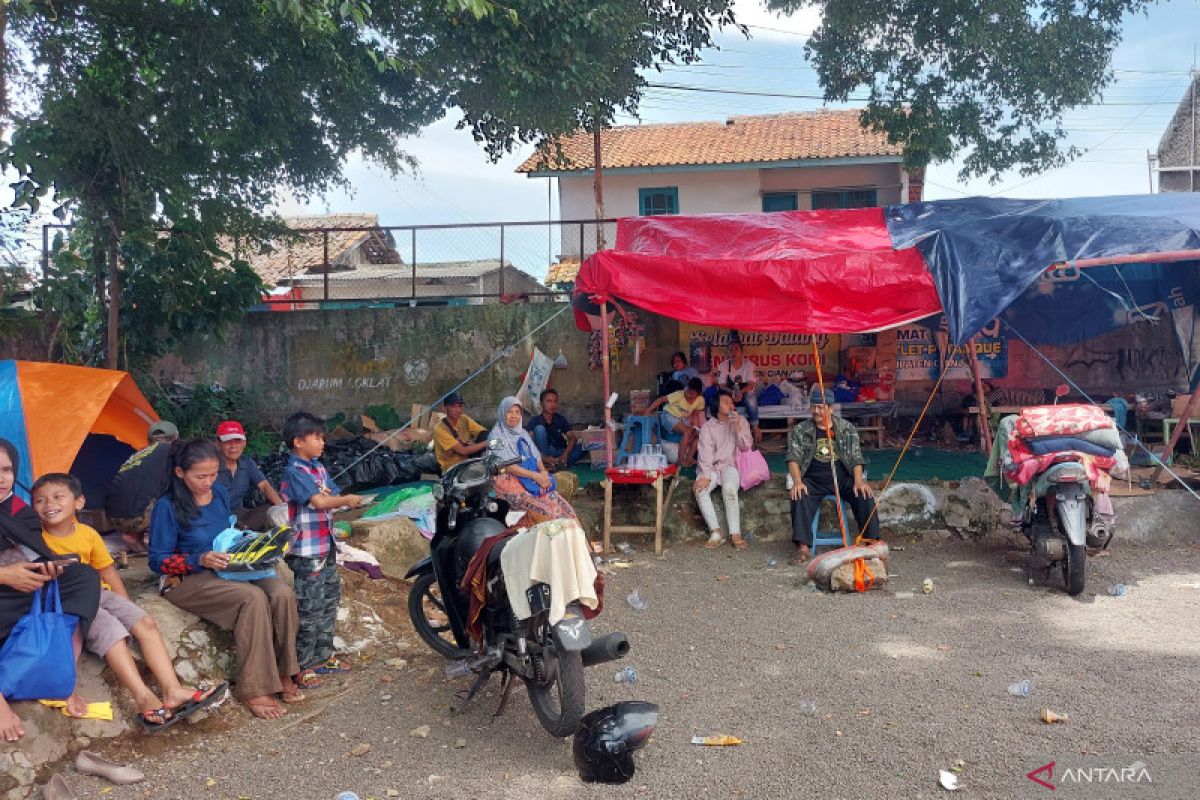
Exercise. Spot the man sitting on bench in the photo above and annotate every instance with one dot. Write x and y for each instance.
(812, 460)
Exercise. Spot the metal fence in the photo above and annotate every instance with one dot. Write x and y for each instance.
(344, 265)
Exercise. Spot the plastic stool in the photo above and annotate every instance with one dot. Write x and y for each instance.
(641, 431)
(831, 538)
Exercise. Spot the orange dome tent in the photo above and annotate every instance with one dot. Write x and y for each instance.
(63, 418)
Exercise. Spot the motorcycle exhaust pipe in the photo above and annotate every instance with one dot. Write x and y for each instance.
(607, 648)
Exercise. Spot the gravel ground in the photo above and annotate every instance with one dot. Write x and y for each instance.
(903, 687)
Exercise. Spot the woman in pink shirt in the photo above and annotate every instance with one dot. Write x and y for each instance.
(721, 438)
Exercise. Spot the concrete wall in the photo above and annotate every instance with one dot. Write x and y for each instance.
(330, 361)
(803, 181)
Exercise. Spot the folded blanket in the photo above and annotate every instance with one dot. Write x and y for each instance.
(1066, 420)
(1109, 438)
(1057, 444)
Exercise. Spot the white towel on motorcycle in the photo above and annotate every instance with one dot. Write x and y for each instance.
(555, 553)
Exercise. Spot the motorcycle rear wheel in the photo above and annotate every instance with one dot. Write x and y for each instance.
(558, 700)
(424, 600)
(1072, 568)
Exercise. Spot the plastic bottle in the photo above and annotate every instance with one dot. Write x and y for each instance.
(627, 675)
(1021, 689)
(1117, 590)
(636, 602)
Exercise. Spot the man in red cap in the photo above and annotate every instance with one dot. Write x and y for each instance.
(240, 474)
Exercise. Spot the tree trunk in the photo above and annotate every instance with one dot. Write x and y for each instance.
(3, 65)
(597, 186)
(112, 348)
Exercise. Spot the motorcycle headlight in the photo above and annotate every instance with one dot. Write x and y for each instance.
(439, 492)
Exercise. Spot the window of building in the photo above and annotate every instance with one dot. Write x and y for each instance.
(779, 201)
(844, 198)
(663, 200)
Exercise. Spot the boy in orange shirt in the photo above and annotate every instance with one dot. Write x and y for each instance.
(57, 498)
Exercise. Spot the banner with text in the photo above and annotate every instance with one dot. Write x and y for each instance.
(921, 349)
(775, 355)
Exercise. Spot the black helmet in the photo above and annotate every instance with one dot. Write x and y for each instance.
(607, 738)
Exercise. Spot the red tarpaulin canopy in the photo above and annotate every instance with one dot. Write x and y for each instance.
(796, 272)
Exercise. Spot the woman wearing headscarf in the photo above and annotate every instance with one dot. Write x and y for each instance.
(526, 485)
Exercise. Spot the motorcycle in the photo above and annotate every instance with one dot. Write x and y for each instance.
(1063, 523)
(549, 659)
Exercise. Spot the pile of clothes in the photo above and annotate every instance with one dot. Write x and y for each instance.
(1027, 444)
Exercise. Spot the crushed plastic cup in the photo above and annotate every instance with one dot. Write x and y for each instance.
(627, 675)
(636, 601)
(1020, 689)
(1117, 590)
(808, 708)
(347, 796)
(771, 561)
(927, 586)
(948, 780)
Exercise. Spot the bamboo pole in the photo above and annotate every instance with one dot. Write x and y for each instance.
(608, 423)
(985, 428)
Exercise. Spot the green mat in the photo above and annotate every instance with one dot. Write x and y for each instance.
(920, 464)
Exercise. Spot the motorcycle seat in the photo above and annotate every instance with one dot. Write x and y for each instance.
(493, 557)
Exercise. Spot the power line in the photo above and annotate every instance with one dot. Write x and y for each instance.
(681, 87)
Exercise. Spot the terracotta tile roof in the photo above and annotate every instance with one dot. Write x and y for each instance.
(563, 271)
(304, 254)
(738, 140)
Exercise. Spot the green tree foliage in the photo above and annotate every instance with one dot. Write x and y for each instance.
(149, 121)
(987, 79)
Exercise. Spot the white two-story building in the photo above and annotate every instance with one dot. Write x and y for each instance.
(779, 162)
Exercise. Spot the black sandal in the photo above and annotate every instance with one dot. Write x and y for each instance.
(168, 720)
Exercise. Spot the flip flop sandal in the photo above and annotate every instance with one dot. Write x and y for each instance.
(205, 696)
(738, 542)
(798, 558)
(332, 666)
(712, 543)
(308, 679)
(169, 719)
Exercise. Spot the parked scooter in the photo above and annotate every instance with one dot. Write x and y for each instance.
(550, 659)
(1064, 523)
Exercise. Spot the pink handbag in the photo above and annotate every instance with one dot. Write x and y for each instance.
(752, 468)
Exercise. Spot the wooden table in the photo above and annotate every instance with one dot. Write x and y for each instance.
(638, 477)
(872, 414)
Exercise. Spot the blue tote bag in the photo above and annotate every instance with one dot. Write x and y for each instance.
(530, 462)
(37, 661)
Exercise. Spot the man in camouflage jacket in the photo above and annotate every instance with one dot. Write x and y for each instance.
(812, 459)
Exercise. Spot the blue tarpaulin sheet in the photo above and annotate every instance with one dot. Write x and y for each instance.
(984, 253)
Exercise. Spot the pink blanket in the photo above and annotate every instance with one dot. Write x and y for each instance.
(1066, 420)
